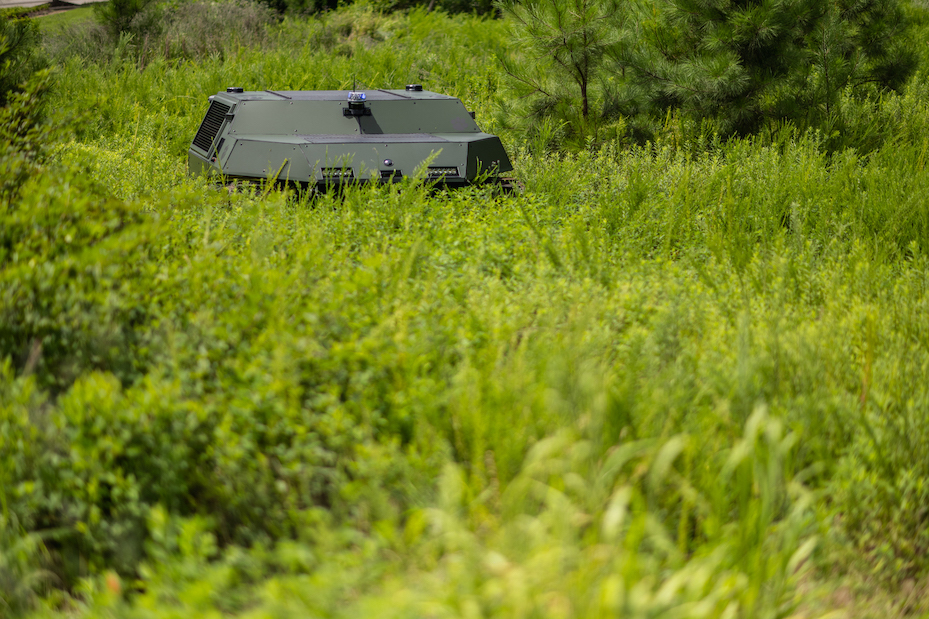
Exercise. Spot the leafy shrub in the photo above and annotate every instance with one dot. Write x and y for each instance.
(137, 18)
(22, 577)
(85, 40)
(208, 27)
(64, 298)
(55, 280)
(19, 58)
(180, 30)
(25, 137)
(253, 461)
(22, 554)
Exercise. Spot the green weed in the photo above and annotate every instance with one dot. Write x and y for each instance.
(662, 380)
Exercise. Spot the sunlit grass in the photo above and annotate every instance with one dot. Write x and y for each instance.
(52, 22)
(659, 381)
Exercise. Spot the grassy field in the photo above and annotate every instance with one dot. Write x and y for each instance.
(670, 380)
(60, 19)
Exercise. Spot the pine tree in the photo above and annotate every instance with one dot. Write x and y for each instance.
(563, 60)
(134, 17)
(742, 62)
(20, 42)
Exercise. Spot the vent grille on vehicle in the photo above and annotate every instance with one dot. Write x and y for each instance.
(441, 171)
(337, 173)
(210, 125)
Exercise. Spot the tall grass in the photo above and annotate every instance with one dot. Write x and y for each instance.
(660, 380)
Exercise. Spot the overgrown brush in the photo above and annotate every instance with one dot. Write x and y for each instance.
(186, 30)
(20, 55)
(673, 379)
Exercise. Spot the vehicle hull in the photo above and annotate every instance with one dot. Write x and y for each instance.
(317, 138)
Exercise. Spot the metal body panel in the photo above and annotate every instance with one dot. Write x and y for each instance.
(317, 136)
(279, 160)
(283, 117)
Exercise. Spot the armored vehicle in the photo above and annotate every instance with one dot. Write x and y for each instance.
(327, 138)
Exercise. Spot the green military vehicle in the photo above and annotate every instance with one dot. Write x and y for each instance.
(326, 138)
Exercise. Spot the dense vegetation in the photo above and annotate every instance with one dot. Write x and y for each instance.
(728, 68)
(685, 378)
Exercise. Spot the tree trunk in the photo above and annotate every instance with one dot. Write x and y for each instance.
(585, 108)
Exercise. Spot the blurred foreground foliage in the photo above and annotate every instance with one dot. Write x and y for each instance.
(683, 379)
(19, 57)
